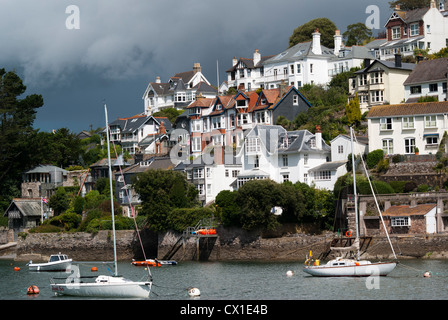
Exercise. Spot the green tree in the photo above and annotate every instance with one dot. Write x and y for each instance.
(170, 113)
(227, 208)
(161, 191)
(59, 202)
(406, 5)
(357, 34)
(353, 111)
(17, 115)
(305, 32)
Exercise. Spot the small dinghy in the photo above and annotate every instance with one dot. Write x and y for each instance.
(57, 262)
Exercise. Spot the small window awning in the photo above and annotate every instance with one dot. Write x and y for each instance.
(431, 135)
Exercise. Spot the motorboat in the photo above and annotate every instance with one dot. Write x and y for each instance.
(57, 262)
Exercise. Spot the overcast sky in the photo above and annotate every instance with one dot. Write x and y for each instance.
(119, 46)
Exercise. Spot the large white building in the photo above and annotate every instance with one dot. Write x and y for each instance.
(305, 63)
(271, 152)
(400, 129)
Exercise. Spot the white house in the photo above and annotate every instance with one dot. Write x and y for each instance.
(428, 79)
(423, 28)
(401, 128)
(130, 132)
(178, 92)
(380, 82)
(270, 151)
(305, 63)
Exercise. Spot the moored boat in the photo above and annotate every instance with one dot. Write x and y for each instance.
(57, 262)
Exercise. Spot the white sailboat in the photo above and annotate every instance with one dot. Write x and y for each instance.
(342, 267)
(114, 286)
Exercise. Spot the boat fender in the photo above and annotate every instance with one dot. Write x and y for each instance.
(348, 234)
(194, 292)
(289, 273)
(32, 290)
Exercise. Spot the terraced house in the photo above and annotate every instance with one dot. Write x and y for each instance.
(406, 128)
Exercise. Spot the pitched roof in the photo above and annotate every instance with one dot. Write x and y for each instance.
(414, 109)
(428, 70)
(402, 211)
(26, 207)
(249, 63)
(387, 64)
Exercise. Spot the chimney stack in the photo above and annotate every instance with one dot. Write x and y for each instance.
(337, 42)
(257, 57)
(316, 49)
(157, 79)
(281, 89)
(318, 137)
(197, 68)
(234, 61)
(398, 60)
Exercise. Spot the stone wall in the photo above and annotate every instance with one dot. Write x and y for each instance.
(231, 244)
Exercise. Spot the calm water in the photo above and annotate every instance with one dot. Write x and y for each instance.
(248, 281)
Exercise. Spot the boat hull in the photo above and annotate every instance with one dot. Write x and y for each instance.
(51, 266)
(363, 270)
(118, 288)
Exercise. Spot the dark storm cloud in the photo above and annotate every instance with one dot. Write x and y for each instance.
(121, 45)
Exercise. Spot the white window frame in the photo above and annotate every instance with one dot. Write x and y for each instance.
(409, 145)
(196, 144)
(388, 146)
(396, 33)
(253, 145)
(413, 30)
(386, 124)
(400, 221)
(431, 121)
(408, 123)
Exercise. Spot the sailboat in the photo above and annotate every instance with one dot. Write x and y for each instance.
(113, 286)
(352, 267)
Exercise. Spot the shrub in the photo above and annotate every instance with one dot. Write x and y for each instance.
(374, 157)
(45, 228)
(410, 186)
(66, 221)
(423, 188)
(380, 187)
(181, 218)
(398, 186)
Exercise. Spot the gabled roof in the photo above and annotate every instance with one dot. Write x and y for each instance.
(428, 71)
(388, 64)
(408, 109)
(25, 207)
(408, 16)
(46, 168)
(249, 63)
(403, 211)
(184, 76)
(203, 87)
(298, 52)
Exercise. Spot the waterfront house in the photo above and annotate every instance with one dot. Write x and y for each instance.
(405, 219)
(422, 28)
(380, 82)
(428, 79)
(401, 128)
(271, 152)
(178, 92)
(25, 214)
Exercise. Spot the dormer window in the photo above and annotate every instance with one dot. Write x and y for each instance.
(241, 103)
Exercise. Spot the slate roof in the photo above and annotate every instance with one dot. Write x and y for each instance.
(249, 63)
(414, 109)
(402, 211)
(26, 207)
(42, 168)
(388, 64)
(428, 71)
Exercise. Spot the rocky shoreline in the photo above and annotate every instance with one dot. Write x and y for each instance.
(231, 244)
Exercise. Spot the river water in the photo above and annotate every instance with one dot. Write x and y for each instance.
(255, 281)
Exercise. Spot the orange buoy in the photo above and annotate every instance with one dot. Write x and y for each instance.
(32, 290)
(348, 234)
(16, 269)
(93, 269)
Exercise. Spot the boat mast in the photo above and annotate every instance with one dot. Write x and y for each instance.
(111, 192)
(354, 192)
